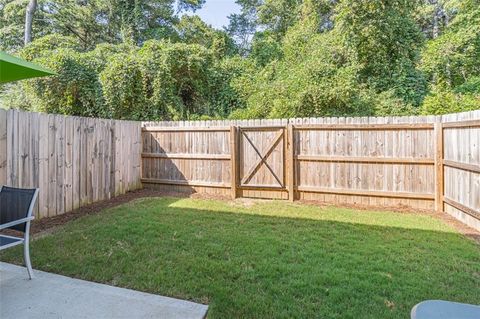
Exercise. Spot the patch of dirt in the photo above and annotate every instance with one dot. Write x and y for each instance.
(360, 207)
(459, 226)
(47, 223)
(44, 225)
(456, 224)
(244, 202)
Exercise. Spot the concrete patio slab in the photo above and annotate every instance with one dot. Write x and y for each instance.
(54, 296)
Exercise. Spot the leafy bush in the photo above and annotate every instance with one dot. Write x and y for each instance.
(223, 98)
(453, 57)
(74, 90)
(175, 77)
(311, 80)
(160, 80)
(449, 102)
(265, 48)
(122, 87)
(49, 45)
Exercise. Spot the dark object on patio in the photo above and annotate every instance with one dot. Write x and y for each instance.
(16, 213)
(439, 309)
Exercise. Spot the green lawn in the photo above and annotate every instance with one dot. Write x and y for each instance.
(267, 259)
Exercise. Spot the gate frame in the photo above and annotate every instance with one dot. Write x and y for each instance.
(285, 133)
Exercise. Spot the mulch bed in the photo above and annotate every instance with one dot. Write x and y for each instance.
(45, 224)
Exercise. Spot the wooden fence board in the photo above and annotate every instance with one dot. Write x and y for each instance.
(462, 163)
(68, 158)
(3, 147)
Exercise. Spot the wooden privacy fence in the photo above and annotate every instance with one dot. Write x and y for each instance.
(74, 161)
(430, 162)
(460, 175)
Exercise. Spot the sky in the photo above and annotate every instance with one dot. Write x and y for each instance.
(216, 12)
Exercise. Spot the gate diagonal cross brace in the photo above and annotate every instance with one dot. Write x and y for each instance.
(263, 158)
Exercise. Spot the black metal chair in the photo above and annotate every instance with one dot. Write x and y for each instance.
(16, 213)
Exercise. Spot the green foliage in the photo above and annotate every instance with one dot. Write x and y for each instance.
(331, 73)
(140, 20)
(471, 86)
(192, 30)
(12, 14)
(278, 58)
(454, 56)
(176, 77)
(48, 45)
(373, 31)
(102, 54)
(278, 15)
(74, 91)
(317, 85)
(12, 22)
(122, 87)
(265, 49)
(444, 102)
(452, 63)
(94, 21)
(388, 103)
(160, 80)
(223, 97)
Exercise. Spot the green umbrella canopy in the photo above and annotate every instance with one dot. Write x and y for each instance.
(14, 69)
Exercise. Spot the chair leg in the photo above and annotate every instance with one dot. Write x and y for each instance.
(26, 256)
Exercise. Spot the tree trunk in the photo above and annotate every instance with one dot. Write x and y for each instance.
(31, 7)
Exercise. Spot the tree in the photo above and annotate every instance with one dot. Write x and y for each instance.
(452, 58)
(121, 82)
(192, 30)
(75, 90)
(82, 20)
(241, 28)
(12, 24)
(451, 63)
(265, 49)
(385, 41)
(92, 21)
(278, 58)
(140, 20)
(31, 7)
(433, 16)
(275, 17)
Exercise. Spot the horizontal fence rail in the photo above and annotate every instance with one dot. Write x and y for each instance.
(363, 127)
(392, 160)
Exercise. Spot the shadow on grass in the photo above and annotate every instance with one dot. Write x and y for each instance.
(247, 265)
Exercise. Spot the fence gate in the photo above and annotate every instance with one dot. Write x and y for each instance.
(262, 159)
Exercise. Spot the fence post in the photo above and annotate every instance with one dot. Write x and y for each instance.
(233, 160)
(439, 177)
(291, 163)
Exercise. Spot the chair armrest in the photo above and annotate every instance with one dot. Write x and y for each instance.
(16, 222)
